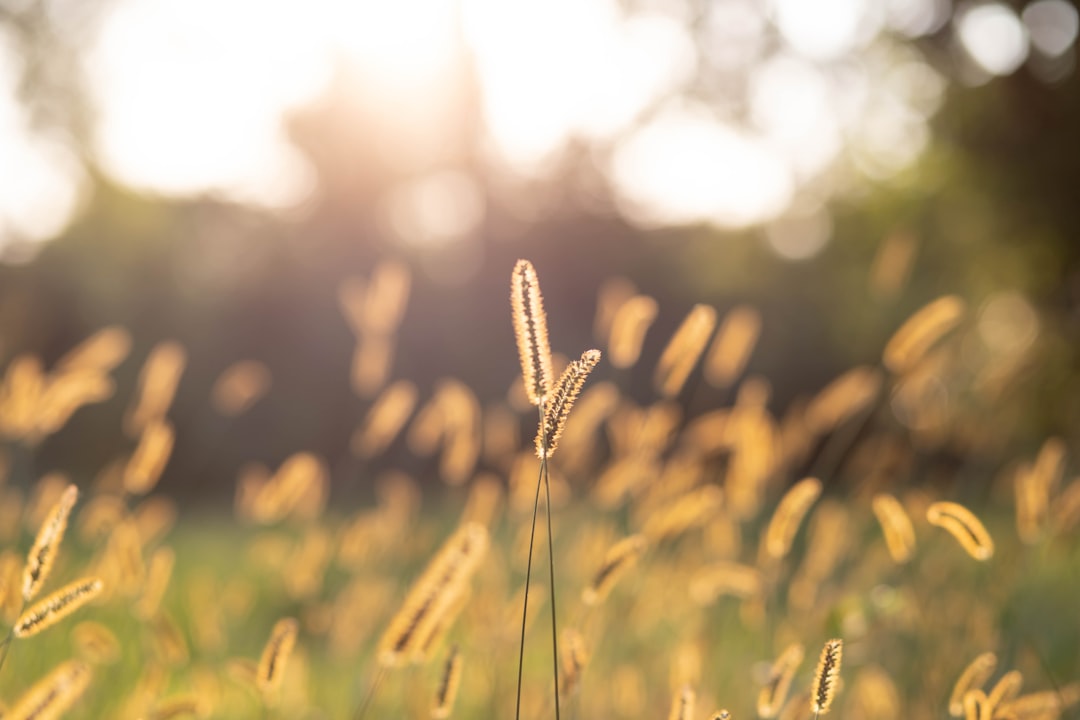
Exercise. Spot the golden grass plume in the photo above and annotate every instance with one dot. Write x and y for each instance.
(151, 455)
(973, 677)
(617, 560)
(910, 343)
(1005, 689)
(733, 345)
(157, 385)
(575, 656)
(725, 578)
(895, 526)
(20, 397)
(681, 354)
(826, 677)
(774, 693)
(557, 409)
(843, 398)
(628, 328)
(1045, 705)
(688, 511)
(384, 420)
(976, 705)
(55, 607)
(275, 656)
(682, 704)
(789, 514)
(53, 695)
(448, 686)
(43, 552)
(962, 524)
(239, 387)
(432, 594)
(101, 352)
(530, 330)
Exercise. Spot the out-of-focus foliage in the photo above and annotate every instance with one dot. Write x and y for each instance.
(876, 236)
(985, 210)
(697, 535)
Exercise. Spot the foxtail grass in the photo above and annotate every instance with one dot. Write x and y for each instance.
(553, 402)
(448, 686)
(895, 526)
(826, 677)
(772, 696)
(974, 676)
(962, 524)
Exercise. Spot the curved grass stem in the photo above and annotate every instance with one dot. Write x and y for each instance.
(542, 479)
(5, 646)
(362, 710)
(528, 579)
(551, 568)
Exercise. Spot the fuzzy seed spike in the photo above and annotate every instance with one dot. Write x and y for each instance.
(530, 329)
(40, 560)
(826, 677)
(275, 655)
(557, 409)
(54, 608)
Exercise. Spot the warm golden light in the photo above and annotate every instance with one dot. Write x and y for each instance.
(183, 106)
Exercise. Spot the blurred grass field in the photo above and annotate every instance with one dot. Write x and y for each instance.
(192, 592)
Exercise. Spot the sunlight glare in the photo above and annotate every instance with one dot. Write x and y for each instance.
(42, 181)
(435, 210)
(550, 71)
(405, 73)
(1052, 25)
(994, 37)
(889, 139)
(801, 233)
(1008, 324)
(686, 167)
(917, 18)
(734, 34)
(791, 103)
(827, 29)
(884, 111)
(187, 105)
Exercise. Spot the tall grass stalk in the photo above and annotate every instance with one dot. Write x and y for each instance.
(542, 479)
(5, 647)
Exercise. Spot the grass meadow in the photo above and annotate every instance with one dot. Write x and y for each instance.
(703, 555)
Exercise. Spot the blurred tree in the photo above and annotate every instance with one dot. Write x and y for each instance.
(989, 206)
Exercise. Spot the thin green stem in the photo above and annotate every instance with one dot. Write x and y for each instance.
(839, 444)
(528, 579)
(551, 568)
(6, 646)
(360, 711)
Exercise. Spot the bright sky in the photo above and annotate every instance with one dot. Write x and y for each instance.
(189, 96)
(40, 181)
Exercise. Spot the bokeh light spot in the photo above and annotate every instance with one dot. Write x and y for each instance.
(42, 181)
(1008, 324)
(828, 28)
(436, 210)
(686, 167)
(800, 234)
(1052, 26)
(994, 37)
(185, 108)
